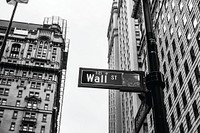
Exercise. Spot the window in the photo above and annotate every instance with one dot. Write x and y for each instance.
(49, 87)
(4, 91)
(190, 6)
(175, 91)
(47, 97)
(22, 83)
(171, 31)
(38, 85)
(184, 20)
(1, 113)
(186, 68)
(12, 126)
(198, 39)
(184, 99)
(17, 103)
(192, 55)
(37, 94)
(3, 101)
(162, 54)
(32, 105)
(197, 74)
(45, 106)
(174, 46)
(50, 77)
(15, 113)
(28, 55)
(176, 19)
(30, 47)
(176, 62)
(33, 85)
(181, 6)
(198, 129)
(3, 81)
(169, 57)
(15, 50)
(168, 17)
(190, 86)
(189, 125)
(180, 80)
(31, 115)
(164, 68)
(24, 74)
(54, 51)
(194, 22)
(31, 93)
(39, 76)
(170, 101)
(166, 43)
(181, 128)
(44, 118)
(179, 33)
(42, 129)
(173, 5)
(167, 84)
(172, 120)
(195, 110)
(9, 82)
(172, 73)
(27, 127)
(19, 93)
(9, 72)
(34, 75)
(189, 37)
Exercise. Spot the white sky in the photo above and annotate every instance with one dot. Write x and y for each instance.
(85, 110)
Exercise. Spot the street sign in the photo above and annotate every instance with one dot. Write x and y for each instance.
(142, 112)
(132, 81)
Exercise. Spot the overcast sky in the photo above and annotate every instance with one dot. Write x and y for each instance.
(85, 110)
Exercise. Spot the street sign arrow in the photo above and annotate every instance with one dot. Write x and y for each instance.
(132, 81)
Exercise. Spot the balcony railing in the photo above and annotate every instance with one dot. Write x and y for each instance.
(29, 120)
(22, 131)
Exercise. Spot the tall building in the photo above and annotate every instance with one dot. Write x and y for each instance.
(32, 74)
(177, 31)
(124, 43)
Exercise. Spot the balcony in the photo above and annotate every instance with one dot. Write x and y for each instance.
(22, 131)
(29, 120)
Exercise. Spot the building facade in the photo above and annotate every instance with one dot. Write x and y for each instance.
(176, 27)
(124, 43)
(32, 74)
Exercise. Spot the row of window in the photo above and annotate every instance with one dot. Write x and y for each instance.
(25, 74)
(30, 104)
(36, 85)
(26, 127)
(187, 117)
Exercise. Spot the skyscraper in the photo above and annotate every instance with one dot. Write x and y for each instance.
(32, 70)
(123, 41)
(176, 27)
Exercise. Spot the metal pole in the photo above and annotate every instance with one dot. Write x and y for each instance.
(155, 79)
(7, 32)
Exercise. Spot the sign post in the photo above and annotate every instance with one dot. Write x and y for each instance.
(132, 81)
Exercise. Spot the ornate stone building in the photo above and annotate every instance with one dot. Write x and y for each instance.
(32, 74)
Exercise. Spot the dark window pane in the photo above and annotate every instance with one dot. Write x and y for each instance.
(188, 121)
(184, 99)
(197, 74)
(195, 110)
